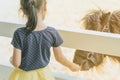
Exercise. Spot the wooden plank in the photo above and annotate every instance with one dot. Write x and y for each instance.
(78, 39)
(7, 29)
(106, 43)
(5, 72)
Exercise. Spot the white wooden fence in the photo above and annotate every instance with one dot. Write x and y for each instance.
(78, 39)
(100, 42)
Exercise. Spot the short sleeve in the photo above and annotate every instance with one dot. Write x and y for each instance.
(16, 40)
(57, 39)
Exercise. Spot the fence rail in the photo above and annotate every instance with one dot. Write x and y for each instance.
(94, 41)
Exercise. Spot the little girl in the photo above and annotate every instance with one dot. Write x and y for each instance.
(32, 45)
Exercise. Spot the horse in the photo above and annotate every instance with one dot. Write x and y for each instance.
(103, 21)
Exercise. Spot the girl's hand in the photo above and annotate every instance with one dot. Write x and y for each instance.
(74, 67)
(11, 59)
(63, 60)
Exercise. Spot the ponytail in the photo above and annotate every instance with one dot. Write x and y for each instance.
(30, 9)
(32, 19)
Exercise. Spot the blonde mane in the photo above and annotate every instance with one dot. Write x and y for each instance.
(99, 19)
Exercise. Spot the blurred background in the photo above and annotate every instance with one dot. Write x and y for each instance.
(67, 13)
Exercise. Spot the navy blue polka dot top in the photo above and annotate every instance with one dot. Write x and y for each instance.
(35, 46)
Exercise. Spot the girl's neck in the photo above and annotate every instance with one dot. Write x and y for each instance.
(40, 25)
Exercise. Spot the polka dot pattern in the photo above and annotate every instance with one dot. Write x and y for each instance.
(35, 46)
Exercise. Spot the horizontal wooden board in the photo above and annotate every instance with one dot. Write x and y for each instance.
(106, 43)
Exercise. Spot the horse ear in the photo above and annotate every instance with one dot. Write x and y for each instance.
(105, 18)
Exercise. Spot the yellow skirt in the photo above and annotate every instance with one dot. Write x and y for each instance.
(39, 74)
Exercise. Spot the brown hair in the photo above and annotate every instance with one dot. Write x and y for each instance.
(100, 20)
(30, 9)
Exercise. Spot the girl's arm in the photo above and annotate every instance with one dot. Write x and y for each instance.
(16, 58)
(61, 59)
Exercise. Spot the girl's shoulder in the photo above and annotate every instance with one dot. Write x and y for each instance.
(49, 29)
(20, 29)
(52, 29)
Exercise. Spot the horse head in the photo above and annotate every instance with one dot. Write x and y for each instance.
(97, 20)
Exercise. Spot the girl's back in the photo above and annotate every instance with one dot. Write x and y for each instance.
(35, 46)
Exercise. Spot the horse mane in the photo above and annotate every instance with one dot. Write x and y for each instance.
(98, 19)
(115, 22)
